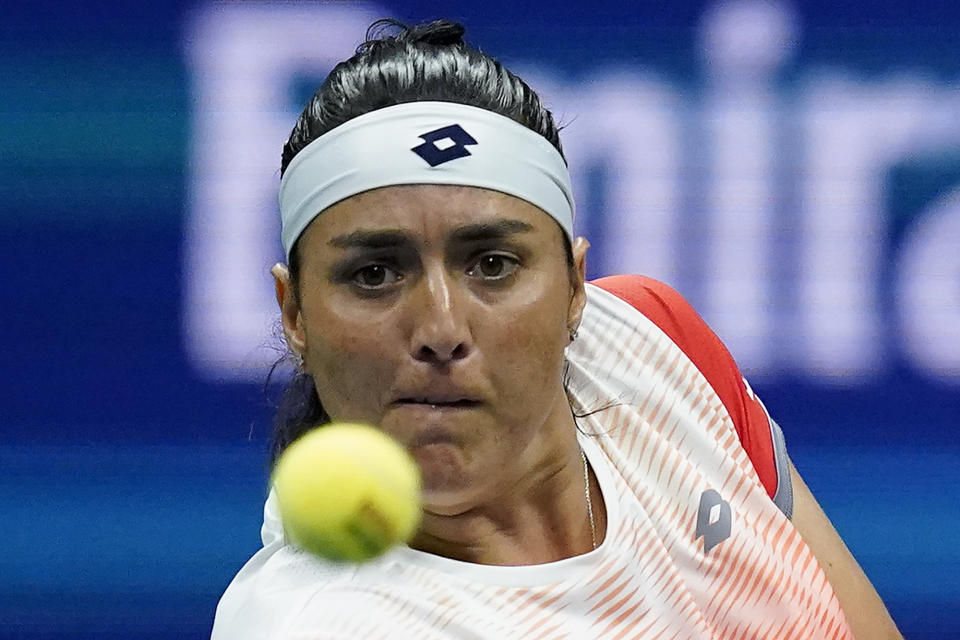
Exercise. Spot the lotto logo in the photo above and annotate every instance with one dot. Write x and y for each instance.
(444, 144)
(713, 519)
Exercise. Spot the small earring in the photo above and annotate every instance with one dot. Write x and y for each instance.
(573, 335)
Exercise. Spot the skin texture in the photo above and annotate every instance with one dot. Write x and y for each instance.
(862, 606)
(415, 298)
(412, 297)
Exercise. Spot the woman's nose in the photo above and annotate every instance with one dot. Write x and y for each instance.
(441, 332)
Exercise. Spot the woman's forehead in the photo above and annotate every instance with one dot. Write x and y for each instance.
(428, 210)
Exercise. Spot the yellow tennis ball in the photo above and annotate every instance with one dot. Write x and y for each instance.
(347, 492)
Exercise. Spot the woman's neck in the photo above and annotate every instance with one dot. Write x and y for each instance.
(540, 515)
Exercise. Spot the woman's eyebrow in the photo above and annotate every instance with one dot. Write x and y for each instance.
(386, 238)
(374, 239)
(490, 230)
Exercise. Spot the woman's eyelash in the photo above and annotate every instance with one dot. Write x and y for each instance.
(494, 265)
(374, 276)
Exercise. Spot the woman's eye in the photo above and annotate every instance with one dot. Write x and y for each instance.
(375, 276)
(494, 266)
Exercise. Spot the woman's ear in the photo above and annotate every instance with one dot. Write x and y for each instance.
(579, 298)
(289, 310)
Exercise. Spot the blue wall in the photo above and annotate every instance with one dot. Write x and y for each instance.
(133, 466)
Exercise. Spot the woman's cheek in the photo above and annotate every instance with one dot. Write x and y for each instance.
(349, 380)
(530, 360)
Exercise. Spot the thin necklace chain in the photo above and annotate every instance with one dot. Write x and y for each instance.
(586, 492)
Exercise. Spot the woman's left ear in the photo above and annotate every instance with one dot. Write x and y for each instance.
(579, 298)
(289, 310)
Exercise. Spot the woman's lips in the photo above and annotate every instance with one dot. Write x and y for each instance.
(439, 403)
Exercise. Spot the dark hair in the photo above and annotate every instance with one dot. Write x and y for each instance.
(429, 61)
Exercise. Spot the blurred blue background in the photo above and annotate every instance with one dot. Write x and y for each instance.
(793, 168)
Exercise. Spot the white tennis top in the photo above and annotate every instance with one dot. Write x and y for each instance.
(695, 546)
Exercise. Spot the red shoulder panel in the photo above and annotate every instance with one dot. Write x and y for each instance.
(675, 317)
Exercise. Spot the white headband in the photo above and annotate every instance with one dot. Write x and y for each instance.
(424, 143)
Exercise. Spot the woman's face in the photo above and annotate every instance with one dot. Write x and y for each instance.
(439, 314)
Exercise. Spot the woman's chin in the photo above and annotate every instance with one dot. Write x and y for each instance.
(442, 469)
(447, 489)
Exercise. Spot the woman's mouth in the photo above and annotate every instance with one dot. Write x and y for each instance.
(439, 403)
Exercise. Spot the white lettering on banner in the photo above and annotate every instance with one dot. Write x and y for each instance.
(627, 127)
(928, 290)
(785, 191)
(242, 60)
(744, 44)
(854, 134)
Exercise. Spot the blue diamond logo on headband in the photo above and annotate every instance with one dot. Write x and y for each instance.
(444, 144)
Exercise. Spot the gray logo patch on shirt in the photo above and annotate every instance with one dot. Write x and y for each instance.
(713, 519)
